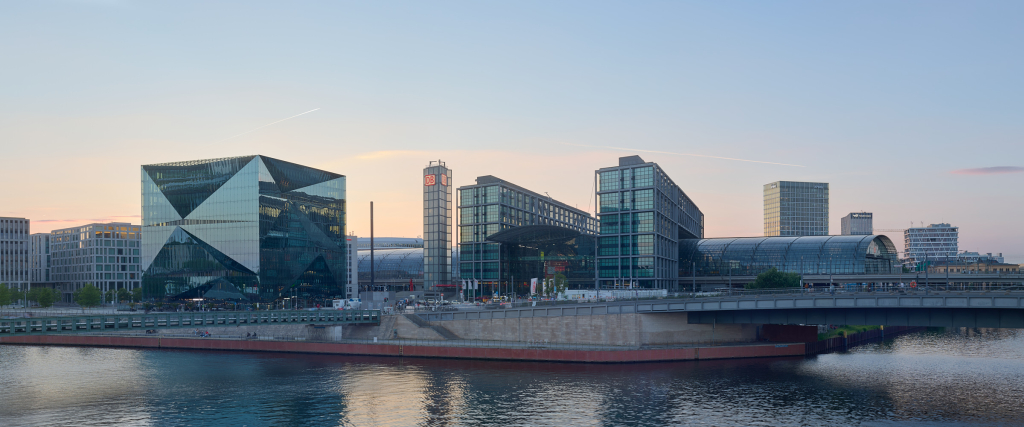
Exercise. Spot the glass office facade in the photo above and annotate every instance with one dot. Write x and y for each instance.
(493, 205)
(437, 225)
(642, 215)
(252, 228)
(750, 256)
(795, 209)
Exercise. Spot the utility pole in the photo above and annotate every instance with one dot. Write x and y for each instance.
(373, 285)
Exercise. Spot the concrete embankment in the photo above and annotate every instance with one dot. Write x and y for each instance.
(388, 349)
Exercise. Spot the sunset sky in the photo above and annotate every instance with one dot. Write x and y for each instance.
(911, 110)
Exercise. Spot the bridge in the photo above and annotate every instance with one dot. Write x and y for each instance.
(133, 322)
(976, 308)
(922, 278)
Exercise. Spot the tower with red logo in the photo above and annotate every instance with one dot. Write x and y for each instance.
(437, 225)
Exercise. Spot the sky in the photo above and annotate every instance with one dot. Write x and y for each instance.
(912, 110)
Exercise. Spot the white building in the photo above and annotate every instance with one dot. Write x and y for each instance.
(975, 257)
(936, 242)
(104, 255)
(39, 258)
(14, 248)
(857, 224)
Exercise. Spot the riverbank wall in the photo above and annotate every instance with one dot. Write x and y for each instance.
(393, 349)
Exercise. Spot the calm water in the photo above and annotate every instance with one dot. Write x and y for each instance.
(955, 378)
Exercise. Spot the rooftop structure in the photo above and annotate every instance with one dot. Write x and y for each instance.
(857, 224)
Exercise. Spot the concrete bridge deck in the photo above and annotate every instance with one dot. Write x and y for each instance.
(155, 320)
(994, 309)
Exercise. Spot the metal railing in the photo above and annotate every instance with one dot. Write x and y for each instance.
(127, 321)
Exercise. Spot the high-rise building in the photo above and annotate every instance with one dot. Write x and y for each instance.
(253, 228)
(14, 249)
(936, 242)
(493, 205)
(857, 224)
(643, 215)
(795, 209)
(437, 225)
(39, 258)
(104, 255)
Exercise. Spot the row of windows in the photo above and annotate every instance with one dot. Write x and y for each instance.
(626, 201)
(642, 222)
(625, 267)
(626, 178)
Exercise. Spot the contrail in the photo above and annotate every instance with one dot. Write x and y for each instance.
(682, 154)
(261, 127)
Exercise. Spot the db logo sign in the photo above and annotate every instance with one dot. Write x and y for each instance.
(429, 180)
(444, 180)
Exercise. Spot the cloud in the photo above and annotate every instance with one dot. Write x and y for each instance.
(989, 170)
(111, 218)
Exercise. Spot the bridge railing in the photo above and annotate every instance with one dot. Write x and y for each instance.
(129, 321)
(893, 289)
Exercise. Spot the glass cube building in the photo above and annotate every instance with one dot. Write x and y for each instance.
(249, 228)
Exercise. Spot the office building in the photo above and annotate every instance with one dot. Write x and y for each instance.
(973, 257)
(104, 255)
(509, 234)
(934, 243)
(39, 258)
(643, 215)
(857, 224)
(795, 209)
(249, 228)
(14, 250)
(437, 225)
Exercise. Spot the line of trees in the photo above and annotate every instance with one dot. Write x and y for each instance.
(43, 296)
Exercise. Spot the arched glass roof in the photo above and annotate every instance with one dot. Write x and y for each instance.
(399, 264)
(748, 256)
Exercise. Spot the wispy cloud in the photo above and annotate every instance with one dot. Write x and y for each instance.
(989, 170)
(112, 218)
(682, 154)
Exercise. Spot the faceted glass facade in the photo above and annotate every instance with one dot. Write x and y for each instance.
(253, 228)
(437, 225)
(642, 215)
(795, 209)
(750, 256)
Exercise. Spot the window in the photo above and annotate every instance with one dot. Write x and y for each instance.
(609, 224)
(643, 177)
(645, 244)
(609, 180)
(609, 246)
(643, 199)
(608, 267)
(609, 202)
(644, 222)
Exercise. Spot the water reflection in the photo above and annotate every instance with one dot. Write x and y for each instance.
(959, 377)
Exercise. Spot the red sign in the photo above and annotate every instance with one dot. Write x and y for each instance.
(429, 180)
(444, 180)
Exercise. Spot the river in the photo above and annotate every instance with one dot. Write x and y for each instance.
(953, 377)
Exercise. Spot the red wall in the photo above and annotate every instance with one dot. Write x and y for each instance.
(593, 356)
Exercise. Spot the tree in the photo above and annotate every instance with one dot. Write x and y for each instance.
(5, 295)
(773, 279)
(45, 297)
(17, 295)
(88, 296)
(109, 296)
(137, 295)
(123, 295)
